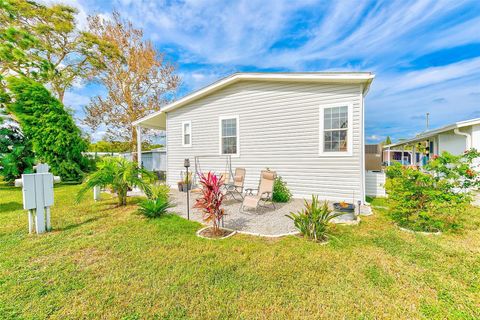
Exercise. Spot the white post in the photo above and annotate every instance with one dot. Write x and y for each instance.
(414, 156)
(40, 203)
(403, 152)
(47, 211)
(139, 146)
(30, 221)
(388, 156)
(96, 193)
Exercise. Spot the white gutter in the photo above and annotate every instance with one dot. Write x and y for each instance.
(467, 135)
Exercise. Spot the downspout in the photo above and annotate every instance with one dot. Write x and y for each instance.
(467, 135)
(363, 171)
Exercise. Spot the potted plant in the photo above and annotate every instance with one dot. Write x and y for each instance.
(187, 182)
(210, 203)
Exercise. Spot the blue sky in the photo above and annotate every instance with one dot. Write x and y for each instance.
(425, 54)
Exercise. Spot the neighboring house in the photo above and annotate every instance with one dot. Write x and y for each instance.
(401, 156)
(308, 127)
(152, 160)
(454, 138)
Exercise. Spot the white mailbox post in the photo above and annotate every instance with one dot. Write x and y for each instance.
(37, 191)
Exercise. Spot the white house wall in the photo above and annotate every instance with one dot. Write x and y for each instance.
(453, 143)
(476, 136)
(279, 129)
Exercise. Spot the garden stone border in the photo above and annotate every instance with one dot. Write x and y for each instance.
(436, 233)
(255, 234)
(355, 222)
(233, 232)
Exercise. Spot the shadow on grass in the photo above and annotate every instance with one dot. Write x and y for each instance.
(10, 206)
(79, 224)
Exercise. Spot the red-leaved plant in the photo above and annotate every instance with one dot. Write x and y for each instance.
(211, 200)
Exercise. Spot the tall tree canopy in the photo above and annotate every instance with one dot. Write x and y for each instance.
(55, 138)
(37, 37)
(138, 83)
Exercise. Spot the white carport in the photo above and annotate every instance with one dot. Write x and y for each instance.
(157, 121)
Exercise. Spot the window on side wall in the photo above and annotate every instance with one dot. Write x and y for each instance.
(229, 135)
(336, 130)
(187, 133)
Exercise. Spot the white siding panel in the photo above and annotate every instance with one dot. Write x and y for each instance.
(375, 184)
(279, 123)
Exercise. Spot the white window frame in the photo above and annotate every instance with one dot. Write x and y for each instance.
(237, 119)
(349, 151)
(183, 133)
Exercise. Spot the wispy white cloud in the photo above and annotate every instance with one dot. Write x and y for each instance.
(210, 39)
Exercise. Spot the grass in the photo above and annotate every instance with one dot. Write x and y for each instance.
(101, 261)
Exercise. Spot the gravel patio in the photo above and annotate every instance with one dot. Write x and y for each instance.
(265, 222)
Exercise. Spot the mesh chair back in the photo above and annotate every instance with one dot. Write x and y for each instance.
(239, 177)
(267, 179)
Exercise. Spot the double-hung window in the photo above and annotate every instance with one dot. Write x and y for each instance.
(336, 130)
(229, 135)
(187, 133)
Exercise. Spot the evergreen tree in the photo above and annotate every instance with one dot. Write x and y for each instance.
(387, 141)
(16, 155)
(55, 138)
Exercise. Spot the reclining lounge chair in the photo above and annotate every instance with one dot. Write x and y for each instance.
(235, 188)
(264, 192)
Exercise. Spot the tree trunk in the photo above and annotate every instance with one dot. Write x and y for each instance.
(59, 93)
(122, 197)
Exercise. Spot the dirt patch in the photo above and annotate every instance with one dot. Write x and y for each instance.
(209, 233)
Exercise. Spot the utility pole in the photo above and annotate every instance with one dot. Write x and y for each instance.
(428, 124)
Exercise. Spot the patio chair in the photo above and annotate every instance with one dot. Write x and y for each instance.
(264, 192)
(235, 188)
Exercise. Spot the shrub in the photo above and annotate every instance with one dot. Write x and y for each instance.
(312, 221)
(119, 174)
(211, 200)
(161, 191)
(16, 155)
(154, 208)
(281, 193)
(435, 199)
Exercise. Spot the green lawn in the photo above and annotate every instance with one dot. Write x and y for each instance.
(106, 262)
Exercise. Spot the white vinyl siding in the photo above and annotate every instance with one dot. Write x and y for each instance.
(186, 133)
(229, 135)
(278, 129)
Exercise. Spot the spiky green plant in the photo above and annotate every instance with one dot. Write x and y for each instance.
(312, 221)
(154, 208)
(119, 174)
(158, 191)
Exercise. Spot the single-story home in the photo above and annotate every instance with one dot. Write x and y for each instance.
(455, 138)
(308, 127)
(404, 156)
